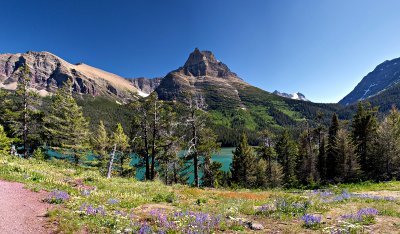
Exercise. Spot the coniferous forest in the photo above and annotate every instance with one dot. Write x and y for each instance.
(174, 141)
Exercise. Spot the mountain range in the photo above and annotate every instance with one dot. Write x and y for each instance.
(232, 102)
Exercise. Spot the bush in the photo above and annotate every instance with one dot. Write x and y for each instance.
(38, 154)
(170, 197)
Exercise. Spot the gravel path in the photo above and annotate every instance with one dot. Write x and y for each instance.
(21, 210)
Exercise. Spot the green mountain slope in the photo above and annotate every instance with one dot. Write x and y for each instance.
(234, 104)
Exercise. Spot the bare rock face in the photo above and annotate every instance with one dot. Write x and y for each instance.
(205, 77)
(146, 85)
(49, 72)
(203, 63)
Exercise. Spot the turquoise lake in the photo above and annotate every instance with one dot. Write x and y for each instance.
(224, 156)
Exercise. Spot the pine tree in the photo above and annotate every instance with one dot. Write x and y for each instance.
(155, 122)
(23, 115)
(266, 152)
(332, 155)
(387, 162)
(243, 167)
(307, 160)
(208, 145)
(140, 132)
(321, 164)
(287, 156)
(276, 175)
(169, 146)
(3, 105)
(101, 145)
(66, 128)
(5, 142)
(213, 176)
(347, 163)
(261, 176)
(196, 133)
(364, 127)
(120, 143)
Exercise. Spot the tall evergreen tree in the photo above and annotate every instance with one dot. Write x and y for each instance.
(347, 163)
(321, 164)
(140, 132)
(5, 142)
(332, 155)
(287, 156)
(261, 175)
(243, 167)
(101, 143)
(266, 152)
(208, 145)
(387, 148)
(197, 133)
(307, 162)
(169, 146)
(364, 127)
(66, 128)
(23, 115)
(120, 143)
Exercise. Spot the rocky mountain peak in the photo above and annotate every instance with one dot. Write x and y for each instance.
(295, 96)
(204, 63)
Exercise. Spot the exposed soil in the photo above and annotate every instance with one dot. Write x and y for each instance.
(21, 210)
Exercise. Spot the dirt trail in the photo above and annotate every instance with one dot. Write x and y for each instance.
(21, 210)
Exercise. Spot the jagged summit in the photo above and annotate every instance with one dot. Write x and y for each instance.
(204, 63)
(204, 76)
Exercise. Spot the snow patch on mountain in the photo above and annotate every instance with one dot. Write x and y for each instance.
(295, 96)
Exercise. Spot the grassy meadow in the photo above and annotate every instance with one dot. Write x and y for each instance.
(84, 201)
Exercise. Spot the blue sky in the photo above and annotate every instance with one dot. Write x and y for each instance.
(318, 47)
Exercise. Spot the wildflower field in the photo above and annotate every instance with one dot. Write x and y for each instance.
(84, 201)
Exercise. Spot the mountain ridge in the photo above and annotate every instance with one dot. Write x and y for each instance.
(383, 77)
(49, 72)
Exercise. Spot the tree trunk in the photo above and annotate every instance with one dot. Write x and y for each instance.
(175, 174)
(146, 146)
(153, 147)
(195, 155)
(110, 164)
(25, 122)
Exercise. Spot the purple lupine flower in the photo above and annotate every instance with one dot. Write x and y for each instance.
(85, 193)
(112, 201)
(311, 220)
(362, 214)
(266, 208)
(145, 229)
(365, 212)
(92, 210)
(57, 197)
